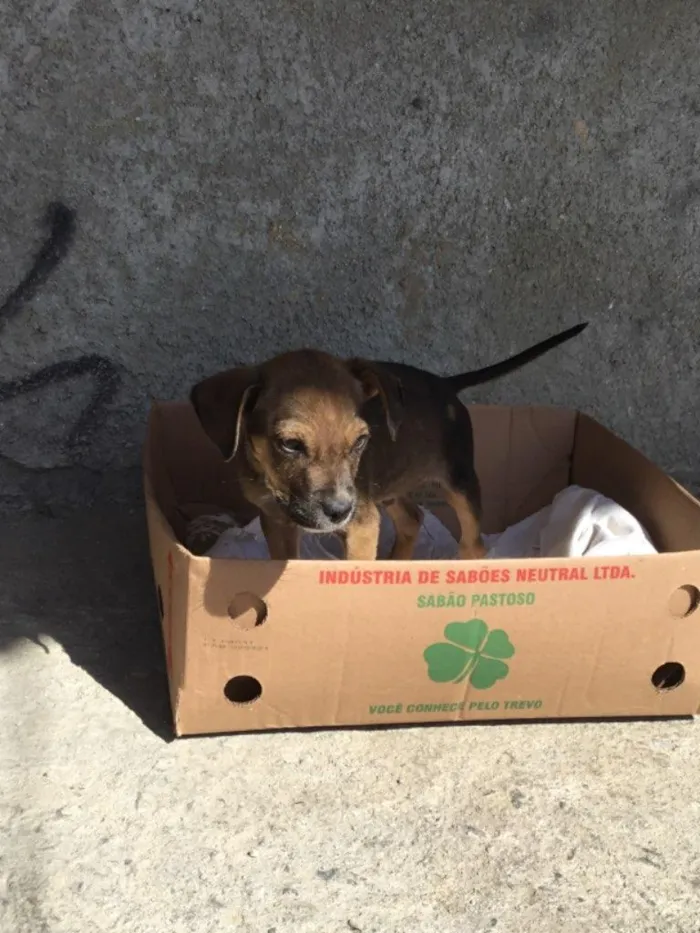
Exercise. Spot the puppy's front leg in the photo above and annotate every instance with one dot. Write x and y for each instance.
(362, 534)
(407, 519)
(471, 545)
(282, 538)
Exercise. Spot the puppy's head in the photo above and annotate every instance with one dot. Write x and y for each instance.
(299, 419)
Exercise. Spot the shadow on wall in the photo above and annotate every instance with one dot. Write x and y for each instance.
(85, 582)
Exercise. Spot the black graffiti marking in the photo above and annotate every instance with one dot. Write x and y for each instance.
(61, 220)
(107, 375)
(107, 378)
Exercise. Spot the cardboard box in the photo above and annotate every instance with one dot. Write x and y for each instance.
(256, 645)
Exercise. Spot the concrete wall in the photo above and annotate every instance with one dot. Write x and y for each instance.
(436, 182)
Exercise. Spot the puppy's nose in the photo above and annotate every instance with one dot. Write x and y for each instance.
(337, 508)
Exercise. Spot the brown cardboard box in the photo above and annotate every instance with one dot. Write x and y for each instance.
(263, 645)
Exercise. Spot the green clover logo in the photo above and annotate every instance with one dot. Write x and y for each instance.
(471, 651)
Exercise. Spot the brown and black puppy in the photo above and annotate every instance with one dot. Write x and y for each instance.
(319, 443)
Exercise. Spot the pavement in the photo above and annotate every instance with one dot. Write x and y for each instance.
(109, 825)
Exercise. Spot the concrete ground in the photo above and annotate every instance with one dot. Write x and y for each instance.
(110, 826)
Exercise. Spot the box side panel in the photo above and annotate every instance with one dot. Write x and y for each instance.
(170, 572)
(523, 459)
(442, 641)
(157, 480)
(253, 620)
(608, 464)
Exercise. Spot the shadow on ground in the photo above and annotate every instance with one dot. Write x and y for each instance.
(85, 582)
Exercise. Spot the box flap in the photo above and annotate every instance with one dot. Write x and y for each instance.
(522, 454)
(605, 462)
(523, 459)
(187, 472)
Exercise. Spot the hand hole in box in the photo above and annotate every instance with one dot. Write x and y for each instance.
(160, 604)
(684, 601)
(668, 676)
(243, 689)
(247, 610)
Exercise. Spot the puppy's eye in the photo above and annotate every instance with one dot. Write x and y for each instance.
(291, 445)
(360, 443)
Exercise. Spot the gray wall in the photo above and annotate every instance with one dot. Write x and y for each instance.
(438, 182)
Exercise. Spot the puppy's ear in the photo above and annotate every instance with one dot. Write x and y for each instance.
(376, 380)
(221, 403)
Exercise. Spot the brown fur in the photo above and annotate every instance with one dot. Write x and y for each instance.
(320, 443)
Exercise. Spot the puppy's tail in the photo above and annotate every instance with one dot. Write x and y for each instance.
(479, 376)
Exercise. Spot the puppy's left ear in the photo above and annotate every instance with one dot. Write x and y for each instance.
(221, 403)
(376, 380)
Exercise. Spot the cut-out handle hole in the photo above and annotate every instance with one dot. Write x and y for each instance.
(243, 689)
(684, 600)
(668, 676)
(247, 610)
(160, 603)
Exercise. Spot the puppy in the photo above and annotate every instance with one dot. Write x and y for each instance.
(319, 443)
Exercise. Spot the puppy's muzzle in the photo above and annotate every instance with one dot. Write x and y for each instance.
(337, 509)
(324, 513)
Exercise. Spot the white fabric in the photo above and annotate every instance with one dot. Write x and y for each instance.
(578, 523)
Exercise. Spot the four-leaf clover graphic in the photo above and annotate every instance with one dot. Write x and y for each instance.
(471, 651)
